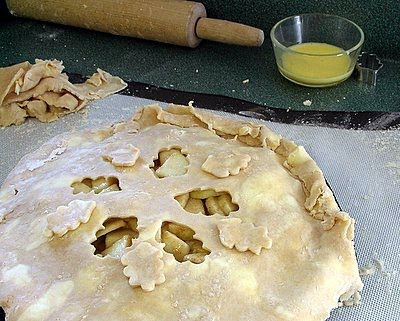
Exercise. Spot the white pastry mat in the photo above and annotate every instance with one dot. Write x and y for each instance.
(362, 168)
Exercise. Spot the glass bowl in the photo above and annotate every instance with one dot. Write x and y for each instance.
(316, 50)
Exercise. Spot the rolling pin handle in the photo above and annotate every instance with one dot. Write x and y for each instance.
(229, 32)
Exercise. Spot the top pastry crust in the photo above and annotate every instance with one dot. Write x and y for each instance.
(206, 218)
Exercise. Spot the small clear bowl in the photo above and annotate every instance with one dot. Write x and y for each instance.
(316, 50)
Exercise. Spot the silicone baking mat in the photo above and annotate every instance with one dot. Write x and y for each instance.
(362, 168)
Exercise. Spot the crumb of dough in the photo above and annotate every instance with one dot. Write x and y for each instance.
(395, 166)
(307, 102)
(354, 300)
(367, 270)
(379, 264)
(44, 92)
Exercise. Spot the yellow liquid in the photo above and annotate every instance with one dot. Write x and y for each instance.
(316, 71)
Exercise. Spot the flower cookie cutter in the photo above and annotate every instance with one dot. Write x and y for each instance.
(368, 66)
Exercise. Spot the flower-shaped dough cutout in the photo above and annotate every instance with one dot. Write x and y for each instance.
(144, 266)
(225, 164)
(68, 218)
(121, 155)
(243, 236)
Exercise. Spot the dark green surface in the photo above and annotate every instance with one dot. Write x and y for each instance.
(220, 69)
(380, 19)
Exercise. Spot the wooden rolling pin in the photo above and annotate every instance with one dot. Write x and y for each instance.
(177, 22)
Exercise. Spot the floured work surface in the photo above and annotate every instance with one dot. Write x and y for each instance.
(266, 244)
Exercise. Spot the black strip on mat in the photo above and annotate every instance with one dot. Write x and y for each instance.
(348, 120)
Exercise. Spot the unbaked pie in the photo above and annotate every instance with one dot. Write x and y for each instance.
(176, 214)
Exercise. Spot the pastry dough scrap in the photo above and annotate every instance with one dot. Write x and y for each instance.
(121, 155)
(225, 163)
(12, 114)
(144, 266)
(41, 69)
(243, 236)
(97, 79)
(44, 92)
(68, 218)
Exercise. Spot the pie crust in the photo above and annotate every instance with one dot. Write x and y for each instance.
(270, 242)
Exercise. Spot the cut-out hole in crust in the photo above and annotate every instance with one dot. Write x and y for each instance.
(98, 185)
(207, 202)
(180, 243)
(170, 162)
(117, 235)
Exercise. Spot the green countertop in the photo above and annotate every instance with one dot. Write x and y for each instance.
(217, 68)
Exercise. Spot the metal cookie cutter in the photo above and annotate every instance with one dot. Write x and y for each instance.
(368, 66)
